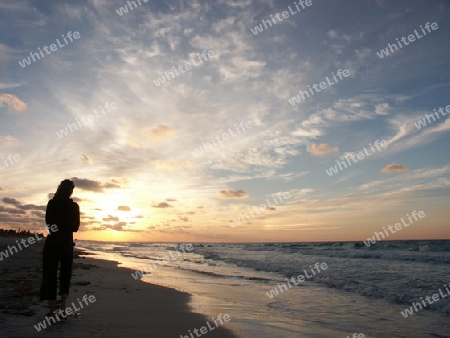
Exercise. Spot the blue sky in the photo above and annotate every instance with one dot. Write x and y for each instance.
(134, 168)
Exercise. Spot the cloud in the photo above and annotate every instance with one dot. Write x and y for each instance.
(123, 208)
(172, 165)
(5, 85)
(12, 211)
(98, 228)
(382, 109)
(297, 193)
(162, 205)
(32, 207)
(119, 226)
(361, 54)
(143, 137)
(291, 176)
(20, 207)
(13, 102)
(394, 167)
(321, 149)
(8, 139)
(2, 189)
(171, 200)
(85, 159)
(110, 219)
(95, 186)
(232, 194)
(332, 33)
(271, 208)
(161, 131)
(313, 132)
(38, 213)
(356, 108)
(420, 176)
(13, 201)
(239, 3)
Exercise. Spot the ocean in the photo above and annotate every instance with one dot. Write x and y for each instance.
(284, 290)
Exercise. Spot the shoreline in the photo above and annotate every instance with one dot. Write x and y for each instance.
(122, 306)
(250, 316)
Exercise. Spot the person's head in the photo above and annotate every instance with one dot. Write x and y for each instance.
(65, 190)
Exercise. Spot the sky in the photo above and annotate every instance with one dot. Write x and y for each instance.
(176, 119)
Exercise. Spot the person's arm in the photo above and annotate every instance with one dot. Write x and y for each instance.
(49, 214)
(76, 221)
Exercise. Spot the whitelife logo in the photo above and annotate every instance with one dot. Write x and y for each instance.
(205, 330)
(122, 10)
(225, 137)
(323, 85)
(13, 248)
(169, 75)
(53, 48)
(416, 306)
(262, 207)
(12, 159)
(285, 14)
(64, 132)
(64, 312)
(300, 278)
(411, 38)
(361, 155)
(371, 240)
(423, 123)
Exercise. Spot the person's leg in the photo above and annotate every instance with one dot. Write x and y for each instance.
(65, 273)
(49, 275)
(63, 303)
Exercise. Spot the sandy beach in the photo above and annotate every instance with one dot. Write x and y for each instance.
(121, 306)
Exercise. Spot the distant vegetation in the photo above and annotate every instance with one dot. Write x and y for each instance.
(16, 233)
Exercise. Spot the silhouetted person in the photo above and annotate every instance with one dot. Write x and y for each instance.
(65, 213)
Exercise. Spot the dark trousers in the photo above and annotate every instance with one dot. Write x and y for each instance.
(56, 251)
